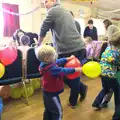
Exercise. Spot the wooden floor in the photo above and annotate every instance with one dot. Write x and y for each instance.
(16, 110)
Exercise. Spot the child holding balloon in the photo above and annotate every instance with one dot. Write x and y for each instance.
(110, 61)
(52, 80)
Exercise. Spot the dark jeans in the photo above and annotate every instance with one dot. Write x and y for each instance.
(80, 54)
(108, 97)
(107, 84)
(116, 115)
(76, 86)
(53, 109)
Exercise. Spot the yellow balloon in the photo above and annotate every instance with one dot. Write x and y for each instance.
(2, 70)
(30, 90)
(92, 69)
(36, 83)
(16, 92)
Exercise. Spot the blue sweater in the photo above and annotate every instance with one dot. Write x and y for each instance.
(52, 82)
(55, 71)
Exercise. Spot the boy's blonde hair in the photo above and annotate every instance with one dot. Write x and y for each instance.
(88, 39)
(45, 51)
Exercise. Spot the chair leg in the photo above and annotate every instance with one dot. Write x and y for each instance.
(26, 95)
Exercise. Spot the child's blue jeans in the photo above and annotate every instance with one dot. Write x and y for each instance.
(107, 84)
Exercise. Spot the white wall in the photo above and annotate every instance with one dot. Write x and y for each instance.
(33, 21)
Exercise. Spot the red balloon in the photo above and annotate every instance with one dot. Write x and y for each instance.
(73, 63)
(8, 55)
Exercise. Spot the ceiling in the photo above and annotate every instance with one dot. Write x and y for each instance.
(104, 4)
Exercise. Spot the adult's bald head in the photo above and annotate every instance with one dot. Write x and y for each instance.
(49, 3)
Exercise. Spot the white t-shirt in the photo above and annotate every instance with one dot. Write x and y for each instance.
(24, 50)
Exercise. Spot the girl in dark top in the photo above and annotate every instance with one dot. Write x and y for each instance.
(19, 32)
(91, 31)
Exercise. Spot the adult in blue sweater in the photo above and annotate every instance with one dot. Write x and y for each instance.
(52, 80)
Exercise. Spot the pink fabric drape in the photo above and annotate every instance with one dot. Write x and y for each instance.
(11, 22)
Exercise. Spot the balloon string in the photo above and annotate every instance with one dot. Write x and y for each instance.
(18, 14)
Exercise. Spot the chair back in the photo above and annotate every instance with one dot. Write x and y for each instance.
(32, 65)
(13, 72)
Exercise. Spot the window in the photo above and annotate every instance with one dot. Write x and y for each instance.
(98, 23)
(1, 22)
(82, 24)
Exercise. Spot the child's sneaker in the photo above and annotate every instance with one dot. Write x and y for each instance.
(96, 106)
(73, 107)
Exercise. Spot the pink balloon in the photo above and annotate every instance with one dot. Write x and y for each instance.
(8, 55)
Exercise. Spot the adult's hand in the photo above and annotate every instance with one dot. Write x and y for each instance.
(40, 39)
(70, 58)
